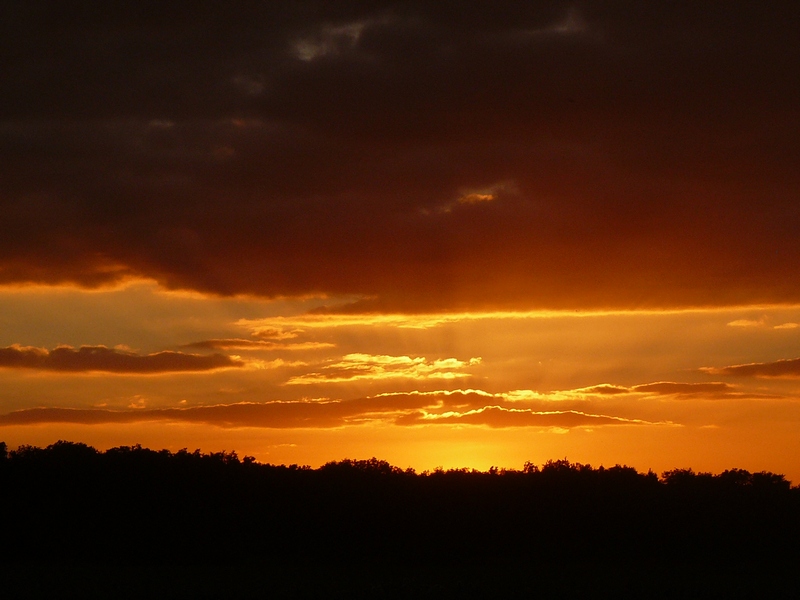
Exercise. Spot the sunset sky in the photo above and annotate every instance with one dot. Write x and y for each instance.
(455, 234)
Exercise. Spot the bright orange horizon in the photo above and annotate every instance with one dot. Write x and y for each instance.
(464, 236)
(706, 388)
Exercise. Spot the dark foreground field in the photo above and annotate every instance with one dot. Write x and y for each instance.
(136, 523)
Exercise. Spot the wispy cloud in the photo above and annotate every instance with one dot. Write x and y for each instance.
(354, 367)
(606, 389)
(275, 333)
(663, 388)
(747, 323)
(785, 368)
(498, 416)
(340, 317)
(762, 322)
(244, 344)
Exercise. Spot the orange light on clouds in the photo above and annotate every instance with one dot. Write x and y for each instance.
(471, 389)
(520, 241)
(355, 367)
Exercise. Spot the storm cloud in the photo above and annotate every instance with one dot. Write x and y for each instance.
(417, 155)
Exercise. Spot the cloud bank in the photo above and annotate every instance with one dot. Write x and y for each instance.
(420, 156)
(473, 407)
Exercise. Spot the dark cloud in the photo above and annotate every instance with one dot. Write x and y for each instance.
(636, 154)
(108, 360)
(788, 368)
(269, 414)
(402, 409)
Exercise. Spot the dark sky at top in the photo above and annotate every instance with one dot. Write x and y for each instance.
(425, 155)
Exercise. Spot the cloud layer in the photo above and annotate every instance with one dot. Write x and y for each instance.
(419, 155)
(244, 344)
(108, 360)
(357, 367)
(587, 407)
(786, 368)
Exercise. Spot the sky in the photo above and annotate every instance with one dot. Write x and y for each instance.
(457, 234)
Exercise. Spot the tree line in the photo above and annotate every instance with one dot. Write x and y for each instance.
(71, 502)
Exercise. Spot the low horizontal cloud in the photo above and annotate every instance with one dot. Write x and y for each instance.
(605, 388)
(431, 408)
(278, 415)
(697, 391)
(498, 416)
(316, 414)
(785, 368)
(244, 344)
(762, 322)
(600, 405)
(747, 323)
(355, 367)
(606, 392)
(88, 359)
(329, 317)
(670, 387)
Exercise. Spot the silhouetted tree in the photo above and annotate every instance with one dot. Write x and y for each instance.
(146, 506)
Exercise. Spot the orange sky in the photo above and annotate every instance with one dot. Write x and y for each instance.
(706, 388)
(454, 235)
